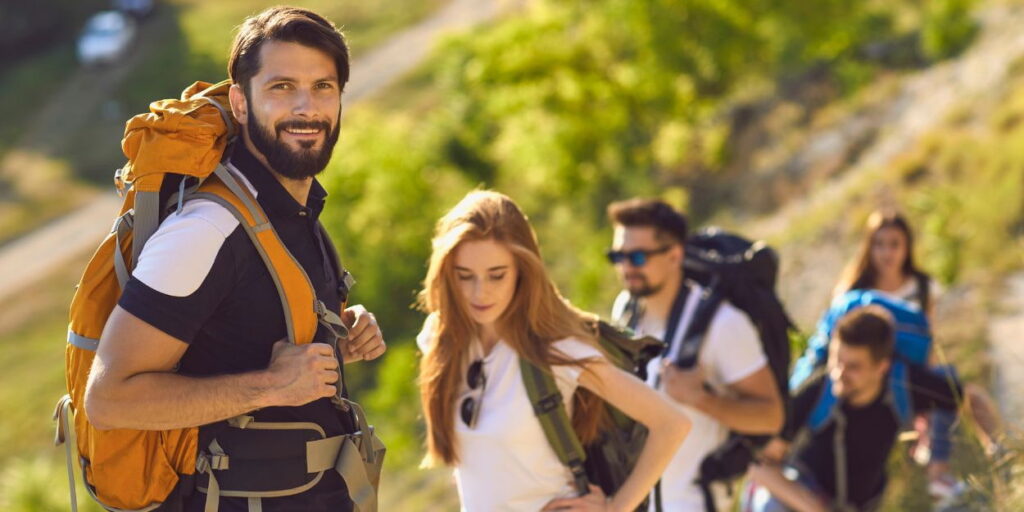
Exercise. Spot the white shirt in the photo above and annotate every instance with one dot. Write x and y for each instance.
(730, 353)
(505, 462)
(909, 292)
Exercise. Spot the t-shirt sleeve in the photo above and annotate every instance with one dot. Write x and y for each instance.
(735, 348)
(426, 334)
(185, 271)
(619, 308)
(577, 350)
(933, 389)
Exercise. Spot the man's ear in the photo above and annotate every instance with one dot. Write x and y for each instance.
(236, 96)
(677, 253)
(884, 365)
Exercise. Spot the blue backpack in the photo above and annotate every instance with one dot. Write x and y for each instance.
(913, 333)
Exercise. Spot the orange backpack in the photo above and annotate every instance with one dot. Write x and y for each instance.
(137, 469)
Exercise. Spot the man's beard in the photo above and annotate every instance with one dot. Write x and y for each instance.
(645, 289)
(297, 165)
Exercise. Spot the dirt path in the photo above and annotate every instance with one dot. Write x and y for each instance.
(37, 254)
(1006, 342)
(921, 102)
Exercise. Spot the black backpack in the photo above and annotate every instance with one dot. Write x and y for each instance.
(729, 267)
(608, 460)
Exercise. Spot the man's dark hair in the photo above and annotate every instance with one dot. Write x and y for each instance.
(871, 327)
(639, 212)
(287, 24)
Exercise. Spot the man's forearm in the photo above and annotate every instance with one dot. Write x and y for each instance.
(749, 415)
(164, 400)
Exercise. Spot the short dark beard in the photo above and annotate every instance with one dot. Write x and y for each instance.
(646, 290)
(297, 165)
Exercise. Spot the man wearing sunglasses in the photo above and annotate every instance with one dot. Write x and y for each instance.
(731, 388)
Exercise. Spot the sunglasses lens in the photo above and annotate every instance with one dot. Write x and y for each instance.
(466, 410)
(616, 257)
(474, 377)
(637, 258)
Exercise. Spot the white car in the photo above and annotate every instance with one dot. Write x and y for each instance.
(106, 38)
(138, 8)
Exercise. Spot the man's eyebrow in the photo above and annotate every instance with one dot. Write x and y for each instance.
(283, 78)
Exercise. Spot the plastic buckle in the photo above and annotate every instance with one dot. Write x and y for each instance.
(548, 403)
(579, 475)
(220, 462)
(202, 463)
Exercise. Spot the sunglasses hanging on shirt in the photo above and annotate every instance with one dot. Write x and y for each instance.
(469, 409)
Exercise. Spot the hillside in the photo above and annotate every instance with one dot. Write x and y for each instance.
(787, 122)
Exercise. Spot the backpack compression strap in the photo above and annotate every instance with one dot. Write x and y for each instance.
(554, 420)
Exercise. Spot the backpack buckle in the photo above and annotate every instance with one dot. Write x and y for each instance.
(547, 404)
(579, 476)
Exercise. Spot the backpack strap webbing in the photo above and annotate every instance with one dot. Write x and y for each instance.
(924, 292)
(345, 279)
(554, 421)
(293, 285)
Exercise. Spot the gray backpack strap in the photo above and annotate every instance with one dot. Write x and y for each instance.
(554, 421)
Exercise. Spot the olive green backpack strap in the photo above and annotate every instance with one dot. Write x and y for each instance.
(554, 420)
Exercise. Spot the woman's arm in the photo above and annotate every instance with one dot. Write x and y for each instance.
(667, 424)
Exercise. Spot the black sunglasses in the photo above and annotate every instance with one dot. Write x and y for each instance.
(469, 410)
(637, 258)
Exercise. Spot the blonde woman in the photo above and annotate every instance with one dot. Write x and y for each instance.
(490, 303)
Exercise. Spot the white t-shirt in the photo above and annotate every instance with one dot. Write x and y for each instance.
(730, 353)
(505, 462)
(909, 292)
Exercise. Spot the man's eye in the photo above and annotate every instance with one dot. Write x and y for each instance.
(281, 86)
(325, 85)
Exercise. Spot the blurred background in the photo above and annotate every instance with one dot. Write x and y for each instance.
(785, 121)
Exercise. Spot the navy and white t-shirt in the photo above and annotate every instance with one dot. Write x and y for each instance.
(201, 280)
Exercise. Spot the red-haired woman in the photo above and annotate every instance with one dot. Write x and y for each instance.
(491, 303)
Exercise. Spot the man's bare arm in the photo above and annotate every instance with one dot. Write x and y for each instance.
(755, 408)
(132, 383)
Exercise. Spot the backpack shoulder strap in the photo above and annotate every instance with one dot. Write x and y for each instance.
(554, 420)
(345, 279)
(687, 351)
(823, 409)
(899, 393)
(293, 285)
(924, 292)
(676, 314)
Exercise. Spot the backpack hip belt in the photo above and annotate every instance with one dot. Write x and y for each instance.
(256, 459)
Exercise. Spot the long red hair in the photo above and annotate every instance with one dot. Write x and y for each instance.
(536, 317)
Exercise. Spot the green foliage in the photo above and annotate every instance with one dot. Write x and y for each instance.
(947, 27)
(40, 484)
(395, 401)
(566, 108)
